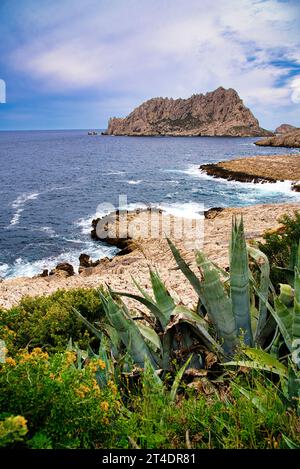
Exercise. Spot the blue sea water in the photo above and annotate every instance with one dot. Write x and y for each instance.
(51, 184)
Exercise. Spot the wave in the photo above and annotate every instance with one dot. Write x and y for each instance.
(260, 188)
(134, 182)
(22, 267)
(3, 270)
(18, 205)
(284, 187)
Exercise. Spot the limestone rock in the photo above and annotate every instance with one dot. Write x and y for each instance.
(289, 140)
(63, 269)
(217, 113)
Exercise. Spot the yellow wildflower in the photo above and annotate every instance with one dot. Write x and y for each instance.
(113, 387)
(70, 357)
(82, 391)
(52, 376)
(101, 364)
(10, 361)
(104, 406)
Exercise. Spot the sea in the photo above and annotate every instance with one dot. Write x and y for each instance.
(53, 183)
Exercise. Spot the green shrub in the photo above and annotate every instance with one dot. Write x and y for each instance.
(12, 429)
(63, 405)
(280, 246)
(49, 322)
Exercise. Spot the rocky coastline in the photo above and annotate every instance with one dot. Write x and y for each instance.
(288, 140)
(119, 270)
(258, 169)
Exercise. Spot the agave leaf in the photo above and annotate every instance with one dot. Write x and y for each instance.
(129, 333)
(177, 379)
(260, 360)
(284, 319)
(239, 282)
(164, 301)
(102, 375)
(116, 343)
(264, 266)
(282, 316)
(290, 444)
(181, 314)
(185, 269)
(296, 311)
(286, 295)
(149, 304)
(218, 304)
(88, 324)
(150, 335)
(142, 291)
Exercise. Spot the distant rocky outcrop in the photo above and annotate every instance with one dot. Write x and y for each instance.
(289, 140)
(285, 128)
(263, 168)
(217, 113)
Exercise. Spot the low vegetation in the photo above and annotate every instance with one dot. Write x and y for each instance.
(82, 371)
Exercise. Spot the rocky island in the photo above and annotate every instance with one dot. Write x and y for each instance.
(217, 113)
(289, 140)
(262, 168)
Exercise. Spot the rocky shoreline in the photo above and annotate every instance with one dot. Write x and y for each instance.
(258, 169)
(289, 140)
(119, 270)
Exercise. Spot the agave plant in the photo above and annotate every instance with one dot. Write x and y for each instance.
(173, 332)
(234, 317)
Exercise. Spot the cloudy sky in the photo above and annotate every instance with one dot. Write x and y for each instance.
(75, 63)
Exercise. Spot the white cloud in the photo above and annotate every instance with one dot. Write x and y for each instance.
(295, 86)
(168, 48)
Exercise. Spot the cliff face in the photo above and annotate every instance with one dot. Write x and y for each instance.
(218, 113)
(290, 140)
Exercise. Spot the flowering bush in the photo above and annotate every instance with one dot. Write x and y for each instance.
(59, 401)
(12, 429)
(49, 322)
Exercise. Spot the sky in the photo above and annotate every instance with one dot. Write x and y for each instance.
(72, 64)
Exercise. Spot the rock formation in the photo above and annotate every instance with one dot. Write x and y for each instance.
(63, 269)
(289, 140)
(218, 113)
(271, 168)
(285, 128)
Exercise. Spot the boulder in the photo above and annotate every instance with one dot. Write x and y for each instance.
(63, 269)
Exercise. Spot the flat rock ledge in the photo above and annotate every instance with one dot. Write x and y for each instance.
(258, 169)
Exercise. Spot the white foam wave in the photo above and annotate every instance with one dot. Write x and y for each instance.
(18, 205)
(185, 210)
(85, 224)
(284, 187)
(3, 269)
(24, 268)
(134, 182)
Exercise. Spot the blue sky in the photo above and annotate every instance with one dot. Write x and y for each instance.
(75, 63)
